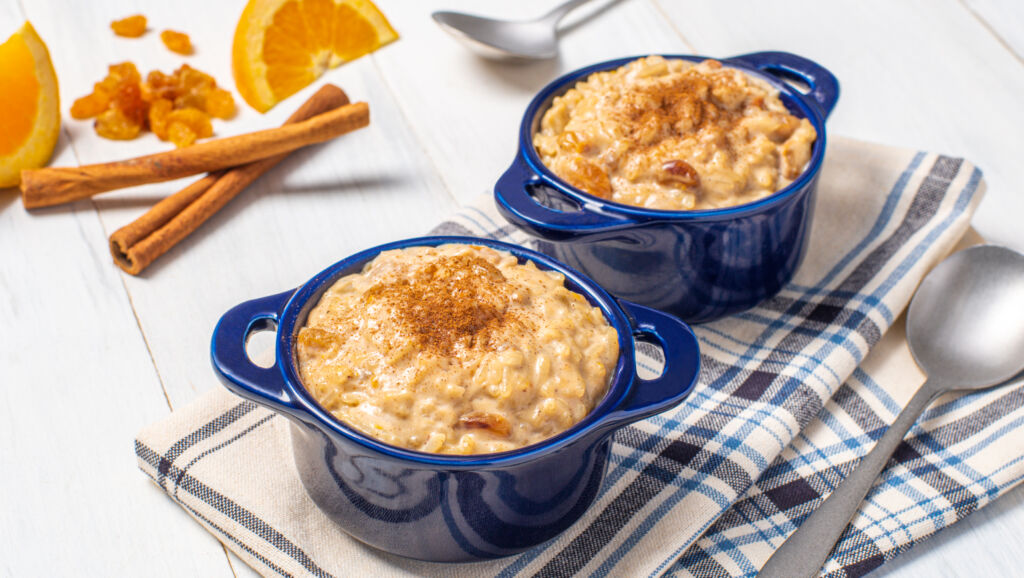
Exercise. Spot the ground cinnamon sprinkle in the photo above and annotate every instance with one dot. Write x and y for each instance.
(457, 349)
(687, 104)
(668, 134)
(454, 300)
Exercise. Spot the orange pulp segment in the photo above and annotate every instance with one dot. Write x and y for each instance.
(29, 99)
(281, 46)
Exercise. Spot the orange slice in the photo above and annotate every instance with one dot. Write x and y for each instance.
(282, 46)
(29, 99)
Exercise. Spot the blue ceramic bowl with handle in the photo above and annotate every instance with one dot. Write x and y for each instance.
(699, 265)
(444, 507)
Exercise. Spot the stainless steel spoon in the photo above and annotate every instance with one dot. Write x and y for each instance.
(965, 328)
(504, 39)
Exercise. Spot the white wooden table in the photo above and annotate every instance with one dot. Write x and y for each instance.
(89, 355)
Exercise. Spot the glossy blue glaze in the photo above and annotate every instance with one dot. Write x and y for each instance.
(698, 265)
(441, 507)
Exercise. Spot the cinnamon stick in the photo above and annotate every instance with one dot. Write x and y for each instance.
(139, 243)
(53, 186)
(162, 212)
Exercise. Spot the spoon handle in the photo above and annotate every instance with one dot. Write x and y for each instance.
(806, 550)
(558, 12)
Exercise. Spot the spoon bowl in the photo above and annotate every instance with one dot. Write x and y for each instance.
(508, 39)
(501, 39)
(965, 328)
(965, 325)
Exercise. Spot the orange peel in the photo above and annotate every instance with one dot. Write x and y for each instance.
(30, 101)
(282, 46)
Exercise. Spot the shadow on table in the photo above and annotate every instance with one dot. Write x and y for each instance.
(8, 196)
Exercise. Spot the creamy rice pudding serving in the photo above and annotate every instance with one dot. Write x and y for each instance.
(456, 349)
(674, 135)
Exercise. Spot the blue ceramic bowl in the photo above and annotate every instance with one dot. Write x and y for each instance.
(441, 507)
(698, 265)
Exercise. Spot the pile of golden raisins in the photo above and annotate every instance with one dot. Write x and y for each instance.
(176, 107)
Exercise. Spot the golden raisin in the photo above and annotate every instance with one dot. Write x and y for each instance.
(315, 337)
(130, 27)
(587, 176)
(158, 113)
(190, 100)
(114, 125)
(176, 41)
(129, 101)
(492, 422)
(105, 89)
(159, 85)
(681, 172)
(88, 106)
(122, 72)
(180, 134)
(571, 141)
(220, 104)
(196, 120)
(190, 79)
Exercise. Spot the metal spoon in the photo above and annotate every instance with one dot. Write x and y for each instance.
(503, 39)
(965, 328)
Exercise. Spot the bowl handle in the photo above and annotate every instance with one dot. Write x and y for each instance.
(824, 88)
(264, 385)
(682, 364)
(512, 195)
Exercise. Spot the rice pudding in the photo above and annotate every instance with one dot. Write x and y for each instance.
(456, 349)
(674, 135)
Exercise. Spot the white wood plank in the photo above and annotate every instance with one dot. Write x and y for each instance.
(11, 18)
(1005, 18)
(320, 205)
(467, 110)
(73, 501)
(77, 385)
(921, 73)
(986, 543)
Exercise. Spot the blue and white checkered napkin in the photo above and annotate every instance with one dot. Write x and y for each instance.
(788, 401)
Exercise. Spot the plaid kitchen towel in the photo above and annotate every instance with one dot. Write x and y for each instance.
(785, 406)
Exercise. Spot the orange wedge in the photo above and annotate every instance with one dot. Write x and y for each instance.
(282, 46)
(30, 105)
